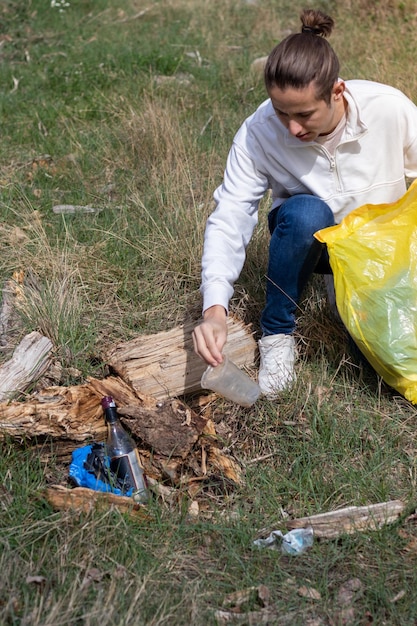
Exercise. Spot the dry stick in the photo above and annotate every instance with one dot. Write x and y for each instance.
(261, 458)
(133, 17)
(350, 519)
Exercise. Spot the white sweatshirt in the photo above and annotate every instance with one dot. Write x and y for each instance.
(377, 151)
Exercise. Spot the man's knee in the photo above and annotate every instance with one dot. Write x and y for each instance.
(304, 213)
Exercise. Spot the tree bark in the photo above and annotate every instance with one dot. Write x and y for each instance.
(171, 428)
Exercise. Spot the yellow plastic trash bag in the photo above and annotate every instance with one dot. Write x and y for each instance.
(373, 255)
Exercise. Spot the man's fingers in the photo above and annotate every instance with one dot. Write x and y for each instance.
(205, 345)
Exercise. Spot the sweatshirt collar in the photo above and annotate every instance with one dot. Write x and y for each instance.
(355, 126)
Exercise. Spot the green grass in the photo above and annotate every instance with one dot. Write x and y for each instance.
(131, 108)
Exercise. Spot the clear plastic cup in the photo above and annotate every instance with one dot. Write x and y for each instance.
(231, 382)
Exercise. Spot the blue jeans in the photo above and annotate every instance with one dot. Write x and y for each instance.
(294, 254)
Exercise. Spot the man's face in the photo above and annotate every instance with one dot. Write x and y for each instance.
(306, 117)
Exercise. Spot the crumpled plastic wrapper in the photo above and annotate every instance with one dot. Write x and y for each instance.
(296, 541)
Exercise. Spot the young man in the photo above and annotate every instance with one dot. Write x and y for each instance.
(323, 147)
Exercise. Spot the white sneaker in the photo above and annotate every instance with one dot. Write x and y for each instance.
(276, 371)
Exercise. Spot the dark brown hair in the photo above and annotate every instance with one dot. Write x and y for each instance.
(304, 57)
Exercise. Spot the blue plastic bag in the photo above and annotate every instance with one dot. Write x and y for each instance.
(90, 468)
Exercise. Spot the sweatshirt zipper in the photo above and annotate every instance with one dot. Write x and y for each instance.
(333, 168)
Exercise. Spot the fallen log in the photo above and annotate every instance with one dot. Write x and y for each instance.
(350, 519)
(165, 365)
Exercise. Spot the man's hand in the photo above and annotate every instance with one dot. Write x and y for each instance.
(210, 336)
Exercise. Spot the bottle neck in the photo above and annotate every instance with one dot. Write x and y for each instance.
(111, 416)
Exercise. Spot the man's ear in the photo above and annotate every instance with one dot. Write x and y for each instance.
(338, 90)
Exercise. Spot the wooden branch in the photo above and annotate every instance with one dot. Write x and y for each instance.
(65, 209)
(165, 365)
(29, 362)
(85, 500)
(351, 519)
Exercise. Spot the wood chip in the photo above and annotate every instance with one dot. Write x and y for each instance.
(86, 500)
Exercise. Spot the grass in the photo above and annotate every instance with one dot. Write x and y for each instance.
(131, 109)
